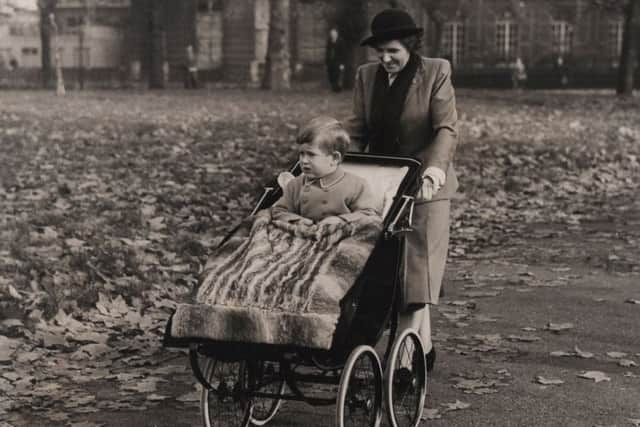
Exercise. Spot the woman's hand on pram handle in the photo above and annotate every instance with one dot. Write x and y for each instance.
(432, 180)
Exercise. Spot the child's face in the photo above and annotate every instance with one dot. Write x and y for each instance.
(315, 161)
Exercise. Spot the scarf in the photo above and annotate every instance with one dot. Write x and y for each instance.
(387, 106)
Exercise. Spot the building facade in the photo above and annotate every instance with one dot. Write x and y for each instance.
(19, 36)
(115, 40)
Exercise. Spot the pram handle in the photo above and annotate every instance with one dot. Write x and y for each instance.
(265, 194)
(407, 203)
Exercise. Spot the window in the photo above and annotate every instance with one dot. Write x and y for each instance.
(16, 30)
(312, 32)
(81, 61)
(205, 6)
(562, 33)
(74, 21)
(506, 39)
(29, 51)
(616, 27)
(453, 41)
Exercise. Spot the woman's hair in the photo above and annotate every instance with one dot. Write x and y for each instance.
(330, 133)
(411, 43)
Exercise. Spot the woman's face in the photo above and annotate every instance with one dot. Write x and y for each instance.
(393, 55)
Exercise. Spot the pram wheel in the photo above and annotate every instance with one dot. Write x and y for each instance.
(360, 393)
(228, 402)
(269, 380)
(406, 380)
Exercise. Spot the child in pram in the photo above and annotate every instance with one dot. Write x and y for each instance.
(324, 193)
(244, 319)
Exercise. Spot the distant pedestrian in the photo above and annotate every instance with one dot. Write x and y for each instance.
(518, 74)
(562, 71)
(191, 78)
(335, 58)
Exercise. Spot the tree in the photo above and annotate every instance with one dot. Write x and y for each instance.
(629, 53)
(437, 16)
(352, 23)
(630, 10)
(277, 75)
(46, 8)
(157, 13)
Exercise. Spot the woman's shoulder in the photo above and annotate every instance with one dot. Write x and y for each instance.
(368, 68)
(435, 63)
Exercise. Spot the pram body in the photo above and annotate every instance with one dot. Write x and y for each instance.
(244, 383)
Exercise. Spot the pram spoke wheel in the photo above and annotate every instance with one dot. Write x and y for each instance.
(269, 380)
(359, 400)
(406, 380)
(228, 402)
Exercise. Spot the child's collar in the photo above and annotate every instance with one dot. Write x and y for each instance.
(327, 181)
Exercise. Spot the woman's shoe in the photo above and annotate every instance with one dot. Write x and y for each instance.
(431, 359)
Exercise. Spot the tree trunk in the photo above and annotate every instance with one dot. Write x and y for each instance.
(158, 43)
(277, 73)
(629, 53)
(435, 13)
(46, 8)
(351, 20)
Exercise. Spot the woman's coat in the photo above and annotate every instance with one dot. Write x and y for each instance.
(429, 133)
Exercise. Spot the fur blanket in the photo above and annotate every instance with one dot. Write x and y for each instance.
(281, 284)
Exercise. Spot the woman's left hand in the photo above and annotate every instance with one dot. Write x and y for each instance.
(427, 190)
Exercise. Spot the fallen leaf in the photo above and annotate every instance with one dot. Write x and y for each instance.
(597, 376)
(430, 414)
(558, 327)
(561, 354)
(548, 381)
(583, 354)
(193, 396)
(457, 405)
(85, 424)
(14, 293)
(156, 397)
(522, 338)
(616, 354)
(481, 294)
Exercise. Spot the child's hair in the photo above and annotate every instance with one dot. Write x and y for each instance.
(330, 133)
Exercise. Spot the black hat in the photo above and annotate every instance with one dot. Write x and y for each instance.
(391, 24)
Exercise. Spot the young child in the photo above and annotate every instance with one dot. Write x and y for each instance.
(324, 193)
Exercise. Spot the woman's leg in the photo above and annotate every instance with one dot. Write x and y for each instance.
(420, 321)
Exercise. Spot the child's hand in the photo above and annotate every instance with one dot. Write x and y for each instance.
(329, 225)
(292, 218)
(331, 220)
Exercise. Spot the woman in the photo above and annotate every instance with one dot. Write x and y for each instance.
(405, 105)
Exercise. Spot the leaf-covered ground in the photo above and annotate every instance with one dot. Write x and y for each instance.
(109, 203)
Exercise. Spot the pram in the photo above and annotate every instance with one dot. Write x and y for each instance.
(245, 383)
